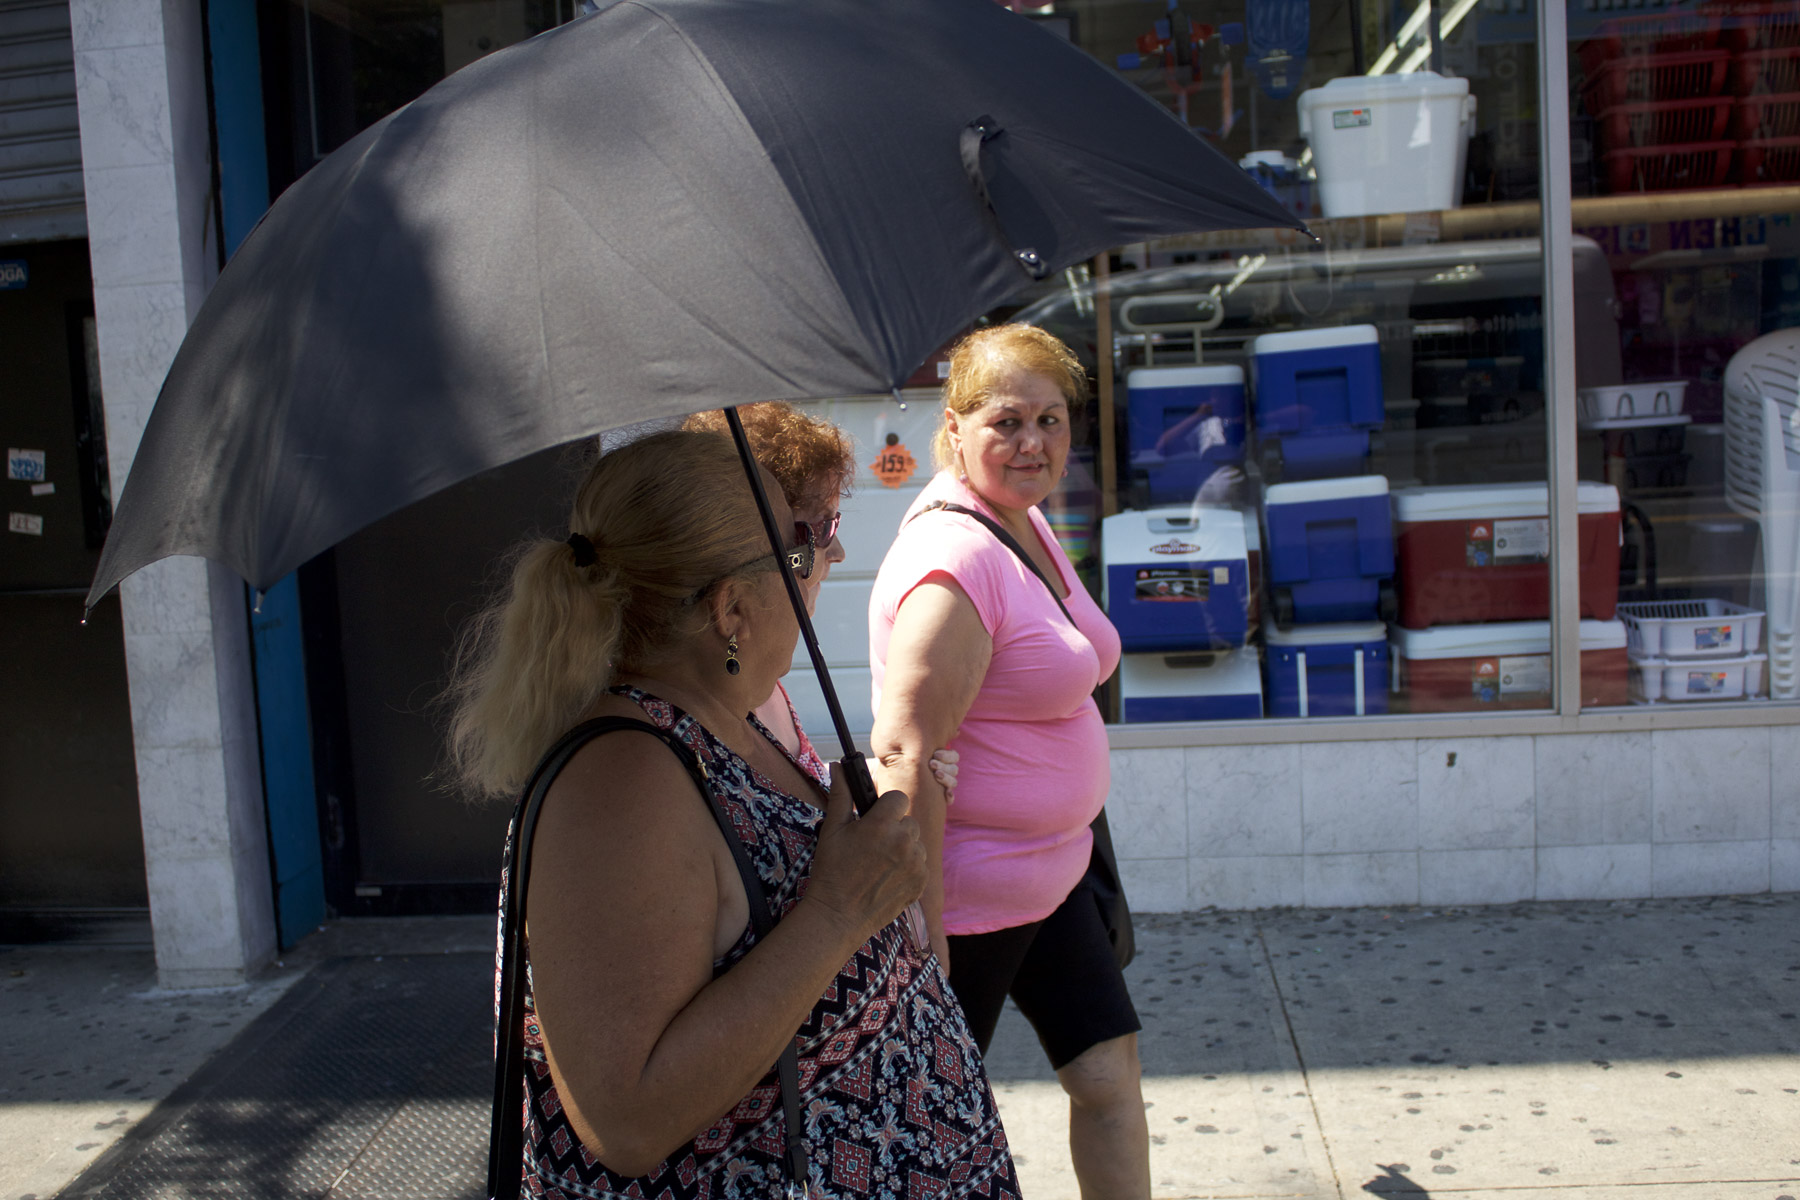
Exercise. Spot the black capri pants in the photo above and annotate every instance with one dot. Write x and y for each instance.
(1060, 971)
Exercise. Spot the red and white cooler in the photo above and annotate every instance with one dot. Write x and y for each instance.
(1481, 552)
(1504, 665)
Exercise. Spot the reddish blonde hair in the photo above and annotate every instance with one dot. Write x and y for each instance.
(812, 459)
(985, 357)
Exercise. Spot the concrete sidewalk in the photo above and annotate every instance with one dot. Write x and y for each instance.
(1572, 1051)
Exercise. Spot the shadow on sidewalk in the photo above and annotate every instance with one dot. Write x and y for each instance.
(370, 1078)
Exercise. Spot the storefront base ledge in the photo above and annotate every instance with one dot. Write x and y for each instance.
(1363, 729)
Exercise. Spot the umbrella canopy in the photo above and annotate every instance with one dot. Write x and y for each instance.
(662, 207)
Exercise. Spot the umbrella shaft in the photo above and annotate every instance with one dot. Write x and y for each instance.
(862, 786)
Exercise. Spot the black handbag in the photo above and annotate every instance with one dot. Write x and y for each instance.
(506, 1139)
(1102, 878)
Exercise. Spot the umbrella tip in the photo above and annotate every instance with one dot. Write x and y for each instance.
(897, 399)
(256, 599)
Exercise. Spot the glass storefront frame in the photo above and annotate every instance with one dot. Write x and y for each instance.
(1556, 224)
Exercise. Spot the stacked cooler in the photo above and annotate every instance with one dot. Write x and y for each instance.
(1329, 565)
(1178, 589)
(1679, 98)
(1186, 426)
(1318, 399)
(1328, 540)
(1474, 571)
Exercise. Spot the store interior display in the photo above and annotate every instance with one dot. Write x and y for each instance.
(1360, 428)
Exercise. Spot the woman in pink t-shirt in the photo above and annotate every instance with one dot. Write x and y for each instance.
(971, 649)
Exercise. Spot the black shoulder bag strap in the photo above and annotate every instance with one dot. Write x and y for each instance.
(1109, 887)
(506, 1142)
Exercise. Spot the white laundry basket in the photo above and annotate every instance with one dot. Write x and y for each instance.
(1388, 143)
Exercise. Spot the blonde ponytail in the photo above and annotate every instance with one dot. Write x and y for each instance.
(667, 515)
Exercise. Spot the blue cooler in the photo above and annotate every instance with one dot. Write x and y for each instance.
(1330, 547)
(1185, 423)
(1327, 670)
(1319, 392)
(1194, 686)
(1176, 578)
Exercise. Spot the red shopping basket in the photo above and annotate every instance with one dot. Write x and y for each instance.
(1683, 76)
(1769, 160)
(1757, 24)
(1668, 168)
(1654, 33)
(1767, 117)
(1766, 72)
(1665, 122)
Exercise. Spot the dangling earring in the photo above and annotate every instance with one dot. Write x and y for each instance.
(731, 658)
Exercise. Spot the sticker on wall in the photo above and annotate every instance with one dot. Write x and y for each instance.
(895, 464)
(14, 274)
(25, 464)
(29, 523)
(43, 489)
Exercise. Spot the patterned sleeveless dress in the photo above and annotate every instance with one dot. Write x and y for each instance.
(893, 1094)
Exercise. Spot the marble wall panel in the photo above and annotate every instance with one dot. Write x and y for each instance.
(1147, 806)
(1475, 793)
(125, 124)
(1244, 800)
(1784, 782)
(132, 224)
(1710, 868)
(1155, 885)
(1359, 797)
(1361, 880)
(1784, 865)
(1593, 789)
(1603, 872)
(1710, 785)
(1477, 876)
(1271, 881)
(98, 24)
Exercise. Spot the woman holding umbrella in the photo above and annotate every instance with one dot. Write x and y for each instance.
(994, 650)
(652, 1015)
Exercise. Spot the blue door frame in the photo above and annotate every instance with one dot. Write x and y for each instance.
(284, 725)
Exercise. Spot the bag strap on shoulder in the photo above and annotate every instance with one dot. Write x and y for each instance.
(1005, 538)
(506, 1147)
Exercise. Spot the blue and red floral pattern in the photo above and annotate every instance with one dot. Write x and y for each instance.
(893, 1095)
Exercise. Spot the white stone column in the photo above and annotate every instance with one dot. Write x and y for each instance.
(140, 84)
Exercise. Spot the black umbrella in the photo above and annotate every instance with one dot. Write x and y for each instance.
(662, 207)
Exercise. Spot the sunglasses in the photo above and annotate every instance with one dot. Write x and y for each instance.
(823, 530)
(799, 560)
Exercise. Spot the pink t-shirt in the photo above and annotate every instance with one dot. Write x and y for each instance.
(1034, 769)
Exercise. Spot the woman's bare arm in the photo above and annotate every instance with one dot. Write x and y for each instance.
(646, 1048)
(937, 657)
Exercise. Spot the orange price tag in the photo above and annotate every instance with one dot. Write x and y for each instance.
(895, 464)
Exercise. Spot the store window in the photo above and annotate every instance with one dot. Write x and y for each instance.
(332, 68)
(1315, 481)
(1687, 118)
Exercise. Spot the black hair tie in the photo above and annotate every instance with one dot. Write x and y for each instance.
(584, 550)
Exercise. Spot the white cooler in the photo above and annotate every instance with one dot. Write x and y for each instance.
(1388, 143)
(1206, 686)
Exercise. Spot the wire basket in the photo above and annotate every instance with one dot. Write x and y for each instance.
(1655, 33)
(1666, 122)
(1766, 117)
(1766, 72)
(1668, 168)
(1682, 76)
(1769, 160)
